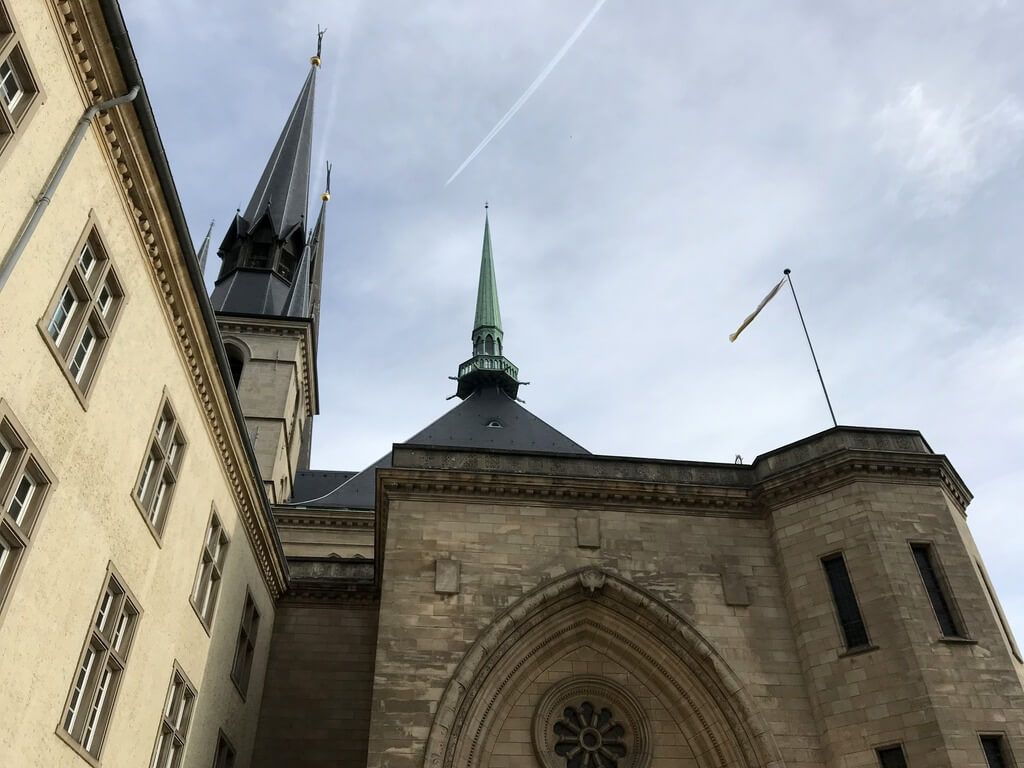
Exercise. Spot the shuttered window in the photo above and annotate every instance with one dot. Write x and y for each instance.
(850, 619)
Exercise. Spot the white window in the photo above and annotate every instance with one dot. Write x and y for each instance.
(209, 573)
(159, 473)
(177, 712)
(245, 649)
(94, 689)
(83, 313)
(23, 488)
(62, 314)
(11, 91)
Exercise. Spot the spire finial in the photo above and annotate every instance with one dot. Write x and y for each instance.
(327, 187)
(315, 60)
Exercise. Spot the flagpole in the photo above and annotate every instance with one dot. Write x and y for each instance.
(811, 346)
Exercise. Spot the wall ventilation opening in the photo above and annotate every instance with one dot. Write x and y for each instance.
(494, 424)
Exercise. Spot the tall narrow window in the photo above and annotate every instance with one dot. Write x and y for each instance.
(245, 650)
(854, 632)
(224, 757)
(938, 594)
(95, 684)
(81, 317)
(160, 468)
(892, 757)
(211, 568)
(177, 713)
(997, 753)
(18, 89)
(24, 485)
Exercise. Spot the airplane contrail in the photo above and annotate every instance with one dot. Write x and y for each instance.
(529, 91)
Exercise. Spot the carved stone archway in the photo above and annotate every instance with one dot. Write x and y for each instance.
(602, 610)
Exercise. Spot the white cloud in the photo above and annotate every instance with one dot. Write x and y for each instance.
(948, 148)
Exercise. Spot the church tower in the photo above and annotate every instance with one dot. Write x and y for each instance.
(267, 301)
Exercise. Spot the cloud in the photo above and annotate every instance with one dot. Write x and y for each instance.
(947, 149)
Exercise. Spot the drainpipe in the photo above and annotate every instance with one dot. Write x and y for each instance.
(50, 188)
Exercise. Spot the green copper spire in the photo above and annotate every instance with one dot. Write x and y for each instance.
(488, 367)
(488, 313)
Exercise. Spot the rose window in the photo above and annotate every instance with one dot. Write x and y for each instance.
(589, 737)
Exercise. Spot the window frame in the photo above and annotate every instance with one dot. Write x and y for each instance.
(168, 464)
(945, 592)
(249, 632)
(176, 731)
(20, 460)
(888, 747)
(87, 693)
(848, 649)
(1004, 747)
(88, 314)
(223, 742)
(216, 571)
(13, 122)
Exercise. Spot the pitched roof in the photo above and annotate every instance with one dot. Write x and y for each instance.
(487, 419)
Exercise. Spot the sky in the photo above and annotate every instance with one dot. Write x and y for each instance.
(642, 202)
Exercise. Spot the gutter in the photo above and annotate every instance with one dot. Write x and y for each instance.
(144, 112)
(49, 189)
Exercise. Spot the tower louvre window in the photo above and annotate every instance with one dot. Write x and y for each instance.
(938, 593)
(850, 620)
(892, 757)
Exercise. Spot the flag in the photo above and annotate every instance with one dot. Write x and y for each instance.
(752, 315)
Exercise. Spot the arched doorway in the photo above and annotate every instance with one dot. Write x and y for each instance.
(591, 671)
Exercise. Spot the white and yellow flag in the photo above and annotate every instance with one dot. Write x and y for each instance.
(752, 315)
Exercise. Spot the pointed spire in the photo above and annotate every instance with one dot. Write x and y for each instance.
(488, 367)
(298, 298)
(283, 189)
(488, 313)
(317, 244)
(204, 249)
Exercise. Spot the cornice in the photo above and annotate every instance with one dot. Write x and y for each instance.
(120, 136)
(298, 517)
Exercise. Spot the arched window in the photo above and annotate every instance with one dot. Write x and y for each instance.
(489, 345)
(236, 359)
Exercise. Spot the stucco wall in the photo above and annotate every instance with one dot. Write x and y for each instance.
(95, 453)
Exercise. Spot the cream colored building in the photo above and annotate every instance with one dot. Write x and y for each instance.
(179, 588)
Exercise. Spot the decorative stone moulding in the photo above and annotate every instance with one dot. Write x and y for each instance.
(591, 722)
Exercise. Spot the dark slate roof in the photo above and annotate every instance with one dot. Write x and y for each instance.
(251, 292)
(464, 426)
(284, 185)
(311, 483)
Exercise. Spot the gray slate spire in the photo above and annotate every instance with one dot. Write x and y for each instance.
(204, 249)
(284, 186)
(265, 247)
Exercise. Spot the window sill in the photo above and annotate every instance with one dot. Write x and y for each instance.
(859, 650)
(958, 640)
(206, 625)
(77, 748)
(145, 518)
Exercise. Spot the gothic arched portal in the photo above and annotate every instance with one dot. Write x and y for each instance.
(563, 656)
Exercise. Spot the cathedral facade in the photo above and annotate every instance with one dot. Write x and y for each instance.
(179, 587)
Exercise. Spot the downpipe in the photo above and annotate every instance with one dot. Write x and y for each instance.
(28, 227)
